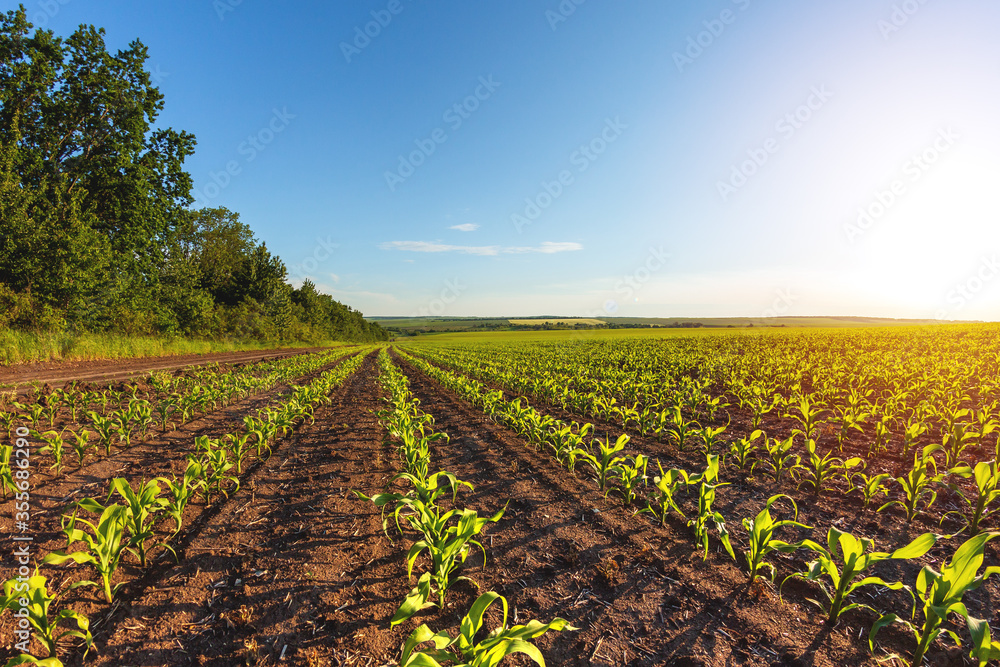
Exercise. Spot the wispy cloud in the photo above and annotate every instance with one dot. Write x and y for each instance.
(467, 227)
(546, 248)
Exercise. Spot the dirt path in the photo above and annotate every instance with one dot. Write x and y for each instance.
(57, 373)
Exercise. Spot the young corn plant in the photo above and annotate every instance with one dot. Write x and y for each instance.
(781, 460)
(708, 484)
(871, 486)
(912, 434)
(122, 420)
(6, 474)
(848, 419)
(632, 476)
(941, 594)
(55, 446)
(666, 485)
(917, 483)
(465, 651)
(607, 465)
(106, 543)
(881, 441)
(845, 560)
(679, 430)
(142, 508)
(181, 491)
(49, 626)
(762, 543)
(809, 414)
(711, 438)
(81, 445)
(987, 479)
(447, 551)
(743, 452)
(819, 471)
(956, 441)
(105, 428)
(239, 447)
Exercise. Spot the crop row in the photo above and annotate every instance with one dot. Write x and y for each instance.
(128, 526)
(446, 538)
(839, 569)
(123, 415)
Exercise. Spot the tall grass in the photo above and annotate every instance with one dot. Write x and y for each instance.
(19, 347)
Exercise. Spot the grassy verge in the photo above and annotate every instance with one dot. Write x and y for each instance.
(19, 347)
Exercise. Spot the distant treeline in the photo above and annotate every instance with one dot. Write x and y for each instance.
(96, 227)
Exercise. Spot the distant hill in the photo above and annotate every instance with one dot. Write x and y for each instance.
(429, 325)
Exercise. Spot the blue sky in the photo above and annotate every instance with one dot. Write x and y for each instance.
(648, 158)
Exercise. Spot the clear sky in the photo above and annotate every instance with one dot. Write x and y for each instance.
(591, 157)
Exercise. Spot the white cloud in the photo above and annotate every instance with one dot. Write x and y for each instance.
(546, 248)
(467, 227)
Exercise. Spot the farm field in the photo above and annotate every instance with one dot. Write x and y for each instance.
(616, 489)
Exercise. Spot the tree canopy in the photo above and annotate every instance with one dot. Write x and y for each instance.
(96, 227)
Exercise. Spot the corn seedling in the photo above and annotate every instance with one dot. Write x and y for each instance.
(81, 445)
(881, 441)
(105, 428)
(607, 464)
(164, 409)
(808, 413)
(666, 485)
(987, 479)
(912, 434)
(181, 491)
(848, 419)
(448, 549)
(42, 618)
(761, 530)
(55, 446)
(941, 594)
(847, 558)
(708, 483)
(7, 420)
(239, 448)
(956, 441)
(106, 543)
(631, 476)
(711, 438)
(871, 486)
(142, 508)
(818, 471)
(6, 474)
(743, 452)
(781, 460)
(917, 484)
(465, 651)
